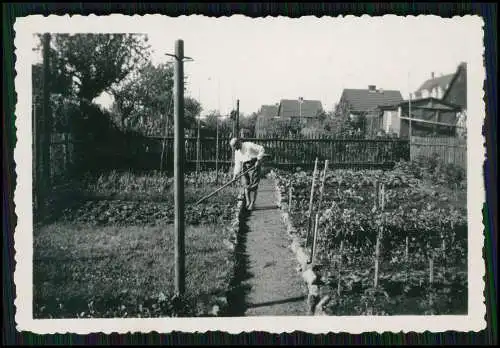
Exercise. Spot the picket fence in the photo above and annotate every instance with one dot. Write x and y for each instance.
(285, 152)
(451, 150)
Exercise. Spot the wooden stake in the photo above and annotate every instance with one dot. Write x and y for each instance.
(311, 202)
(340, 266)
(179, 169)
(406, 248)
(313, 251)
(322, 186)
(431, 270)
(377, 255)
(290, 195)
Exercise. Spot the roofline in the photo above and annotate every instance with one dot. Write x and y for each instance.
(438, 77)
(454, 78)
(454, 106)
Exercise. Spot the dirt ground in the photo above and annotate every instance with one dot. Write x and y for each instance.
(269, 284)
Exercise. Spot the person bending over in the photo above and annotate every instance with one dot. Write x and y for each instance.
(248, 156)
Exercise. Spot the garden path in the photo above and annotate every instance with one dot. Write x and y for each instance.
(274, 287)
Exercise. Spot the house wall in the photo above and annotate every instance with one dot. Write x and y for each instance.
(391, 121)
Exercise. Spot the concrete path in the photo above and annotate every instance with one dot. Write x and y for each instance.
(269, 278)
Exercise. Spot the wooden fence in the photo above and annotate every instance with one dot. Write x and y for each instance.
(449, 149)
(298, 152)
(69, 156)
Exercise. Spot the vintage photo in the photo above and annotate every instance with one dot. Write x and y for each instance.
(238, 174)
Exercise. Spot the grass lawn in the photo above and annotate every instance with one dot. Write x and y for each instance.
(127, 271)
(110, 250)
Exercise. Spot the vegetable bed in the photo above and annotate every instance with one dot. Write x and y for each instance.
(112, 254)
(421, 235)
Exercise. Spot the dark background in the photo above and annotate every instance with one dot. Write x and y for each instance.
(10, 336)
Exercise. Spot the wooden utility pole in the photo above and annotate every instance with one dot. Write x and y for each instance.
(237, 119)
(179, 168)
(44, 133)
(216, 151)
(198, 151)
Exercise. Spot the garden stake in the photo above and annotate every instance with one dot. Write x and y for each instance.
(290, 189)
(313, 251)
(340, 266)
(308, 237)
(322, 186)
(377, 254)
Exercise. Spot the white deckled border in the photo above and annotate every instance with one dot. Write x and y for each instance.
(24, 29)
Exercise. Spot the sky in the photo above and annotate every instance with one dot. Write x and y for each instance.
(260, 61)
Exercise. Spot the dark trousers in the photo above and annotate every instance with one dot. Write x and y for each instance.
(251, 179)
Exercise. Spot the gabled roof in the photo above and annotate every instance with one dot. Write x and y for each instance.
(364, 100)
(291, 108)
(268, 111)
(431, 104)
(441, 81)
(458, 85)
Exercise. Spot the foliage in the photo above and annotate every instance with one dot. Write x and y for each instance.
(125, 199)
(145, 102)
(85, 65)
(434, 170)
(209, 125)
(425, 217)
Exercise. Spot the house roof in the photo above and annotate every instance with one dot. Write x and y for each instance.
(291, 108)
(462, 97)
(364, 100)
(441, 81)
(268, 111)
(431, 104)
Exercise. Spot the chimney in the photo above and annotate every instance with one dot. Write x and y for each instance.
(372, 88)
(432, 75)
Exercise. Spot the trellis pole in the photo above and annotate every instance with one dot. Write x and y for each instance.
(179, 169)
(309, 224)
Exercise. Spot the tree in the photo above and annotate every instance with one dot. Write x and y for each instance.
(146, 101)
(248, 122)
(85, 65)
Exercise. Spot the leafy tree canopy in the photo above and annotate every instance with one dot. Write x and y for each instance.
(85, 65)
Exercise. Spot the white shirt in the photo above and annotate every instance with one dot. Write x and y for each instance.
(247, 152)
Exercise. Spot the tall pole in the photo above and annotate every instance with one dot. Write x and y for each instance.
(216, 151)
(44, 182)
(237, 120)
(179, 169)
(198, 151)
(409, 109)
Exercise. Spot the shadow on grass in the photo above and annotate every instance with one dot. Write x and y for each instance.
(237, 295)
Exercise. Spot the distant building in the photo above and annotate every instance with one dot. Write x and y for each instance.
(445, 99)
(429, 116)
(299, 108)
(370, 103)
(435, 87)
(286, 117)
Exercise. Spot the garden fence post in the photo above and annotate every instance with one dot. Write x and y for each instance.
(341, 250)
(45, 132)
(179, 169)
(309, 225)
(216, 151)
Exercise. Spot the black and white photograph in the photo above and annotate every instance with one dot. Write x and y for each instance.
(238, 174)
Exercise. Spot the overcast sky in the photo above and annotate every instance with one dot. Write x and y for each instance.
(261, 61)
